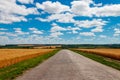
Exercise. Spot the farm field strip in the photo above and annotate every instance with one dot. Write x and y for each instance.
(12, 56)
(112, 53)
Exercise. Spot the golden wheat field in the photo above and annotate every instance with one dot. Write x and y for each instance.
(112, 53)
(12, 56)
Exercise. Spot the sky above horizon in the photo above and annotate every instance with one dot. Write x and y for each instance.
(59, 21)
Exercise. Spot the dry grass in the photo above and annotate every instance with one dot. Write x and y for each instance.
(112, 53)
(12, 56)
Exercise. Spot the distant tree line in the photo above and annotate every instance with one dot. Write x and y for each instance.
(92, 46)
(16, 47)
(65, 46)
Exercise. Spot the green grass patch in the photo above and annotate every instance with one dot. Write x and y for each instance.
(10, 72)
(101, 59)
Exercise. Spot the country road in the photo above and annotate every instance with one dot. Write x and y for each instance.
(68, 65)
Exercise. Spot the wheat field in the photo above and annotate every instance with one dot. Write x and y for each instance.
(112, 53)
(12, 56)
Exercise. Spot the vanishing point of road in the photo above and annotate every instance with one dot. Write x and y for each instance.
(68, 65)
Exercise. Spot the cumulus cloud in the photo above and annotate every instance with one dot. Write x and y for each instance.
(97, 29)
(11, 12)
(78, 8)
(103, 36)
(107, 10)
(9, 18)
(52, 7)
(73, 29)
(11, 34)
(81, 8)
(116, 32)
(19, 31)
(4, 39)
(26, 1)
(87, 34)
(1, 33)
(7, 34)
(98, 5)
(3, 29)
(56, 28)
(63, 18)
(31, 39)
(56, 34)
(35, 31)
(91, 23)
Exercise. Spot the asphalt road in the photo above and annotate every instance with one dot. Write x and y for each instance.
(67, 65)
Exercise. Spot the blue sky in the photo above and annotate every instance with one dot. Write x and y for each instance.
(59, 21)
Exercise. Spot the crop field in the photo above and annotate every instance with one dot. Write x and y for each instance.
(12, 56)
(112, 53)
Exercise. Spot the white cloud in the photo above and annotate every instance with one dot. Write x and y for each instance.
(56, 28)
(35, 31)
(73, 29)
(52, 7)
(30, 39)
(56, 34)
(73, 32)
(11, 12)
(87, 34)
(107, 10)
(10, 7)
(81, 8)
(97, 29)
(18, 31)
(3, 29)
(90, 23)
(98, 5)
(8, 18)
(103, 36)
(11, 34)
(8, 34)
(116, 35)
(42, 19)
(4, 40)
(1, 33)
(116, 32)
(26, 1)
(67, 17)
(63, 18)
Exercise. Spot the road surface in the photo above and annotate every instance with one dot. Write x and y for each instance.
(68, 65)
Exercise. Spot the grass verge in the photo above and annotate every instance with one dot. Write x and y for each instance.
(10, 72)
(101, 59)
